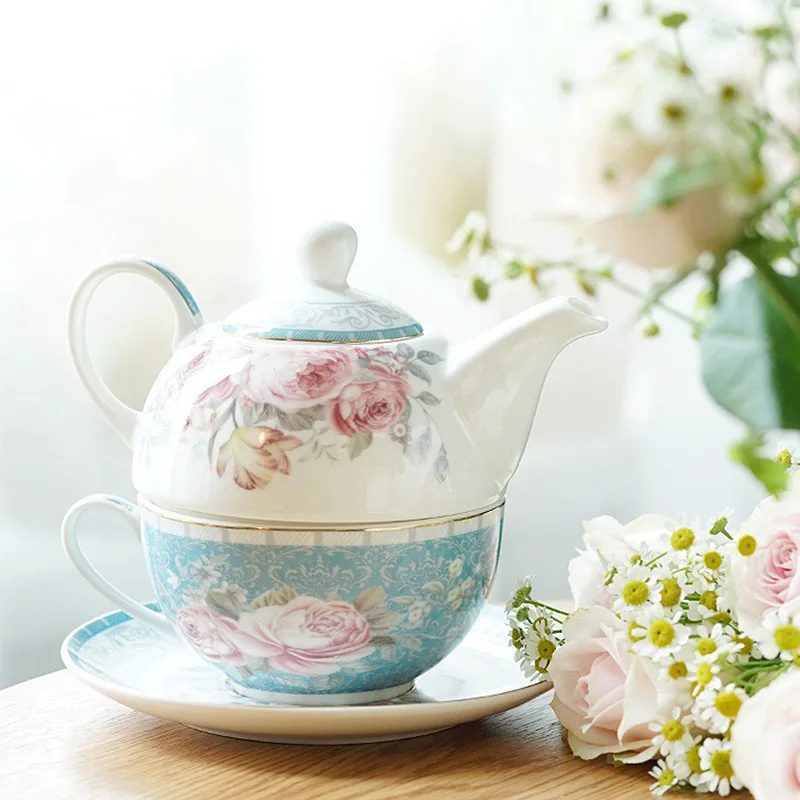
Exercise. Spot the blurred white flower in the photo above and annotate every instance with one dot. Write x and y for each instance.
(782, 93)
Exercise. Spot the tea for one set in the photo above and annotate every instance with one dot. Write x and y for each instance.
(321, 486)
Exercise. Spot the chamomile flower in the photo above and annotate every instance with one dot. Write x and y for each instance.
(712, 641)
(709, 557)
(668, 772)
(673, 734)
(719, 523)
(717, 774)
(780, 635)
(703, 606)
(716, 708)
(662, 634)
(534, 645)
(704, 674)
(633, 588)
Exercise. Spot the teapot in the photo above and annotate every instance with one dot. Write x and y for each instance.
(321, 478)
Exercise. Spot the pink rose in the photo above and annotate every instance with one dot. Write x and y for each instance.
(297, 381)
(605, 696)
(765, 752)
(306, 636)
(210, 634)
(769, 578)
(612, 538)
(372, 405)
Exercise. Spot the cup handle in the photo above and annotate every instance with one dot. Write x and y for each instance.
(69, 538)
(187, 318)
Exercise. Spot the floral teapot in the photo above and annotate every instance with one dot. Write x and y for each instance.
(308, 424)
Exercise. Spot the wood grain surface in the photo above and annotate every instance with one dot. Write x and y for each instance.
(59, 740)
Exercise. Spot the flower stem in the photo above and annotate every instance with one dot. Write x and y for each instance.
(550, 608)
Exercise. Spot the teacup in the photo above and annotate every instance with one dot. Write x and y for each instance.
(308, 615)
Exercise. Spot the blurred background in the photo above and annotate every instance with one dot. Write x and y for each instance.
(207, 141)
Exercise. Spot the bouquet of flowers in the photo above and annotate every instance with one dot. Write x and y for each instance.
(683, 650)
(681, 153)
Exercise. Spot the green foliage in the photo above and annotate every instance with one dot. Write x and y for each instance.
(674, 20)
(480, 288)
(514, 269)
(670, 178)
(770, 472)
(751, 355)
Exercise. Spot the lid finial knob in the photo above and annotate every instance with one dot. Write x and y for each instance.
(327, 254)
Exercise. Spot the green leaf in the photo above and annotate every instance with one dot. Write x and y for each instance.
(428, 357)
(514, 269)
(674, 20)
(428, 399)
(419, 372)
(669, 179)
(751, 356)
(480, 288)
(357, 444)
(768, 32)
(770, 472)
(604, 11)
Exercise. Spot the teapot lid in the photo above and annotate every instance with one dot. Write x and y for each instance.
(323, 308)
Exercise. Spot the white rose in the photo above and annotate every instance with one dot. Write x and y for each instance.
(605, 534)
(782, 94)
(605, 696)
(621, 125)
(766, 741)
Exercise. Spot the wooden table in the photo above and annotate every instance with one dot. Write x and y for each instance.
(59, 740)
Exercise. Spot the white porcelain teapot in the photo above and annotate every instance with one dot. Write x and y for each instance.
(324, 404)
(321, 482)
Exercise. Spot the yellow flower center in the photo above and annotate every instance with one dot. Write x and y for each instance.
(728, 704)
(723, 617)
(636, 559)
(634, 593)
(704, 674)
(721, 764)
(796, 659)
(746, 545)
(787, 637)
(636, 632)
(693, 759)
(673, 730)
(677, 670)
(784, 458)
(709, 600)
(666, 778)
(706, 646)
(545, 648)
(729, 93)
(712, 559)
(674, 112)
(746, 644)
(516, 637)
(670, 592)
(682, 539)
(661, 633)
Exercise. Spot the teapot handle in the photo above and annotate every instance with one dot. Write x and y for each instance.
(187, 319)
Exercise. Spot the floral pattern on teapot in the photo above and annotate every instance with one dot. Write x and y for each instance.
(274, 410)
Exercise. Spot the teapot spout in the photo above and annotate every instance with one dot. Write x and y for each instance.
(495, 379)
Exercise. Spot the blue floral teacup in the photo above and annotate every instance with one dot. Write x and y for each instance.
(315, 616)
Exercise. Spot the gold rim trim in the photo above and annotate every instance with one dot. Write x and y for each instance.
(347, 342)
(422, 523)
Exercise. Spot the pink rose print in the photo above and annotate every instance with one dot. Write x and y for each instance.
(306, 636)
(298, 381)
(210, 634)
(370, 406)
(257, 454)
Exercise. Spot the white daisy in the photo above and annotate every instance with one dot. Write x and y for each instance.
(780, 635)
(663, 635)
(717, 773)
(719, 523)
(634, 588)
(716, 708)
(704, 674)
(536, 651)
(665, 777)
(673, 734)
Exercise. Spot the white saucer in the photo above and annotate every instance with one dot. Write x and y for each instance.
(147, 671)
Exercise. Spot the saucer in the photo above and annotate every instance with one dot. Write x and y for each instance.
(148, 671)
